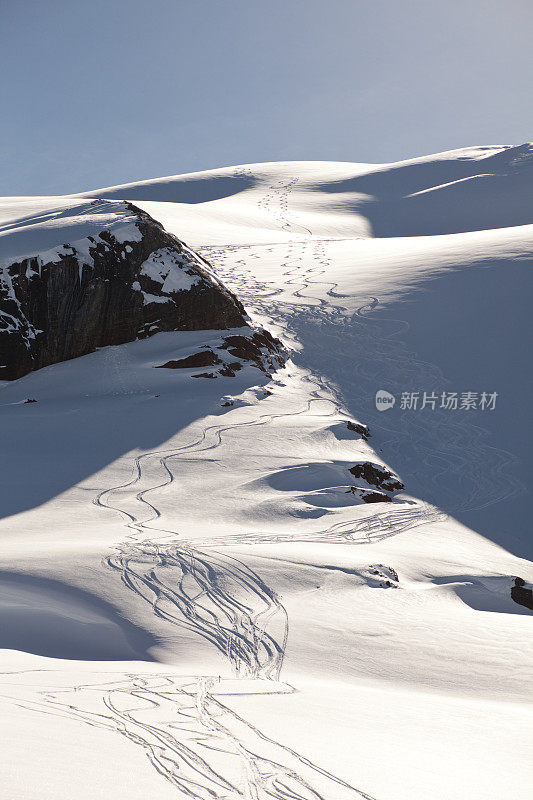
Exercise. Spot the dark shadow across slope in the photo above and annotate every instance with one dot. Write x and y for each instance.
(464, 331)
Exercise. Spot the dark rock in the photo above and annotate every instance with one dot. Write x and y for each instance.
(357, 427)
(261, 348)
(374, 497)
(257, 350)
(204, 359)
(205, 375)
(65, 308)
(522, 595)
(376, 475)
(229, 370)
(369, 496)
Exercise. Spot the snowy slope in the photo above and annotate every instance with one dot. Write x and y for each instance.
(196, 603)
(42, 224)
(478, 188)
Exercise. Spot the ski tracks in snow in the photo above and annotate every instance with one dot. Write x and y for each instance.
(192, 739)
(437, 442)
(204, 749)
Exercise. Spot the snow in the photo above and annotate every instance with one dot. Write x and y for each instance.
(145, 508)
(42, 226)
(160, 267)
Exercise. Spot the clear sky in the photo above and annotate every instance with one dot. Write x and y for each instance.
(99, 92)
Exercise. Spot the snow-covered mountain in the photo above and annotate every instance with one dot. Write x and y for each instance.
(259, 581)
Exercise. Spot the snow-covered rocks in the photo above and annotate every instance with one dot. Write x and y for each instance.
(124, 278)
(230, 353)
(376, 475)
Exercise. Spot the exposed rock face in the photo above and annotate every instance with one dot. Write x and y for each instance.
(206, 358)
(122, 284)
(376, 475)
(368, 495)
(358, 427)
(374, 497)
(522, 594)
(258, 348)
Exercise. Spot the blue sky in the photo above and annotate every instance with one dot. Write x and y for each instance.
(101, 92)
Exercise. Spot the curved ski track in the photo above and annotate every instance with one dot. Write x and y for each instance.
(204, 749)
(194, 741)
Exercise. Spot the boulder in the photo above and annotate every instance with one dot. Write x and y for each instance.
(120, 283)
(522, 594)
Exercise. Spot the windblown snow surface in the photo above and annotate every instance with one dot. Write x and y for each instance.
(196, 605)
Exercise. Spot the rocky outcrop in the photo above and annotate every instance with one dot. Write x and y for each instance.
(368, 495)
(123, 283)
(376, 475)
(258, 348)
(522, 594)
(374, 497)
(205, 358)
(358, 427)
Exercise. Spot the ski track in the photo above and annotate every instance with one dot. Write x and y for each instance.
(194, 741)
(204, 749)
(439, 440)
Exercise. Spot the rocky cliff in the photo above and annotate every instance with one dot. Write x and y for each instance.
(128, 280)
